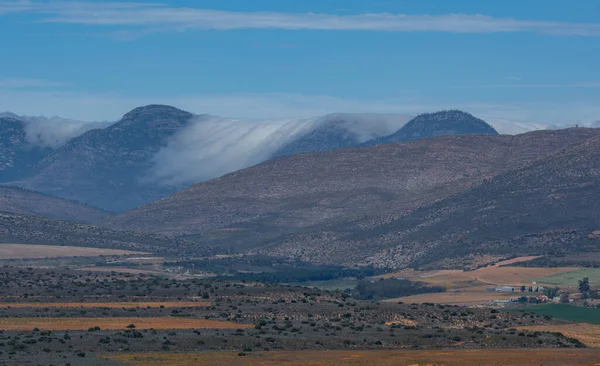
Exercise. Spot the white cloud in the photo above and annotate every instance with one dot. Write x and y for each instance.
(506, 118)
(55, 132)
(162, 18)
(213, 146)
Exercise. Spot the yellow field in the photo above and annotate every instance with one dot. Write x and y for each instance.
(513, 276)
(115, 323)
(480, 297)
(30, 251)
(589, 334)
(114, 305)
(384, 357)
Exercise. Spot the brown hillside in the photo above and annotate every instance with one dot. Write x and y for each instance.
(310, 189)
(31, 203)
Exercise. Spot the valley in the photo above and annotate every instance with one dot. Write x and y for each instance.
(456, 244)
(340, 182)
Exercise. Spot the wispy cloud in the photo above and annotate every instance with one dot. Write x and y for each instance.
(588, 84)
(160, 17)
(19, 83)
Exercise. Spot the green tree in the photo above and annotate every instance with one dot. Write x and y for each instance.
(551, 292)
(584, 285)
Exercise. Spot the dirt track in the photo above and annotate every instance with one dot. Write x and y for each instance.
(30, 251)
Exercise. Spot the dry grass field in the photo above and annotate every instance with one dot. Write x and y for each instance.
(469, 287)
(384, 357)
(122, 270)
(30, 251)
(589, 334)
(515, 276)
(112, 305)
(24, 324)
(516, 260)
(477, 297)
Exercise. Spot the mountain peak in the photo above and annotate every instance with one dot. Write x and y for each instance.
(446, 115)
(155, 117)
(155, 109)
(442, 123)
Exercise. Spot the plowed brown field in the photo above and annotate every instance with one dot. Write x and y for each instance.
(115, 323)
(384, 357)
(113, 305)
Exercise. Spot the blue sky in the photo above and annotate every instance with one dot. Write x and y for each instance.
(520, 61)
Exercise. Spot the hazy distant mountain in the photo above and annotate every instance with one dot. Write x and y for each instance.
(105, 167)
(444, 123)
(17, 155)
(340, 130)
(19, 201)
(361, 205)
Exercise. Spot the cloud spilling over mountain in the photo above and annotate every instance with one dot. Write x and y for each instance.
(52, 132)
(212, 146)
(55, 132)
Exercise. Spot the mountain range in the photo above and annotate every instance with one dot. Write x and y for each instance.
(443, 190)
(156, 150)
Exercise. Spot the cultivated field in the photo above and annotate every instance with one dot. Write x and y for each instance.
(384, 357)
(30, 251)
(469, 287)
(122, 270)
(512, 276)
(571, 278)
(589, 334)
(112, 305)
(476, 297)
(115, 323)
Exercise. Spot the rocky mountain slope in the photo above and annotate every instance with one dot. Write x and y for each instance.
(306, 189)
(24, 202)
(105, 167)
(339, 207)
(17, 155)
(541, 207)
(546, 207)
(444, 123)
